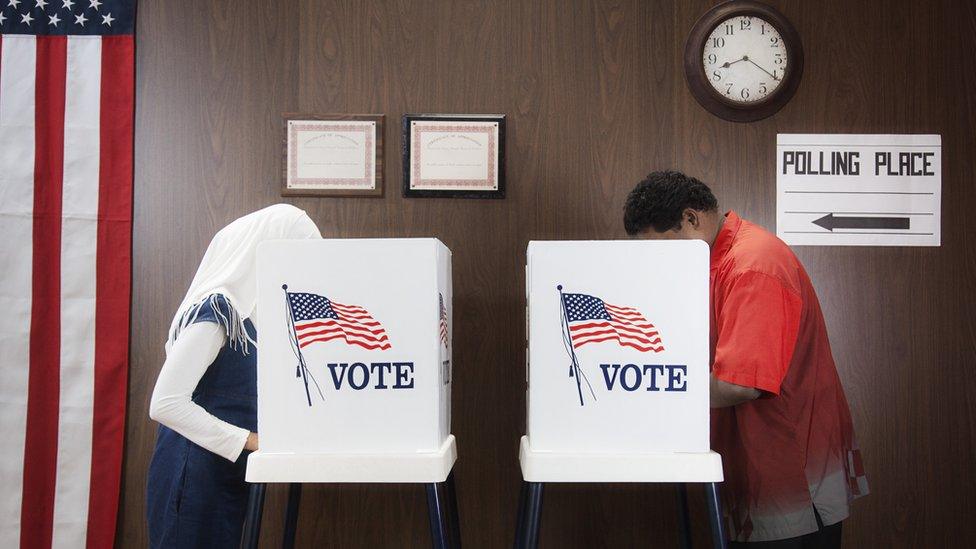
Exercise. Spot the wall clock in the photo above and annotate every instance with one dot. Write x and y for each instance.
(743, 60)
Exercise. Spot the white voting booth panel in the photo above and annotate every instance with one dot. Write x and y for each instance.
(354, 361)
(618, 374)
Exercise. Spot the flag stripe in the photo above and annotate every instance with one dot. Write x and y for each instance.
(354, 316)
(113, 284)
(377, 335)
(349, 308)
(306, 337)
(656, 349)
(382, 346)
(644, 338)
(595, 338)
(611, 337)
(17, 84)
(599, 333)
(78, 248)
(635, 317)
(331, 322)
(341, 324)
(625, 330)
(43, 390)
(616, 309)
(628, 317)
(369, 337)
(619, 325)
(625, 311)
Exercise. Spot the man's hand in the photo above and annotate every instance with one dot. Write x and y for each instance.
(252, 442)
(724, 394)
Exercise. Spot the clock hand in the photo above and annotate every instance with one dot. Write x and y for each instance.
(762, 69)
(728, 64)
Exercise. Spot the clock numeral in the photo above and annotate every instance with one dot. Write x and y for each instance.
(762, 88)
(773, 41)
(716, 76)
(745, 24)
(764, 30)
(718, 42)
(779, 59)
(712, 59)
(744, 93)
(728, 87)
(729, 30)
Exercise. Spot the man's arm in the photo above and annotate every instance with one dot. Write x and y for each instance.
(723, 394)
(757, 325)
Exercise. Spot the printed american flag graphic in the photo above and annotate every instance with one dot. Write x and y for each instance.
(66, 137)
(443, 321)
(592, 320)
(316, 318)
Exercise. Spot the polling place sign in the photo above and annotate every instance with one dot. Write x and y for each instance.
(354, 345)
(618, 346)
(859, 190)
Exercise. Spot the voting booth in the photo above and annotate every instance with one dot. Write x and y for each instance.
(618, 367)
(354, 361)
(354, 372)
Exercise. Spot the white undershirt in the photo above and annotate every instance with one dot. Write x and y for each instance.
(192, 353)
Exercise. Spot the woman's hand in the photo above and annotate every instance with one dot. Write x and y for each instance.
(252, 442)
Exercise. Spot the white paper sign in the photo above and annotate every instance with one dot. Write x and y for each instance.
(859, 190)
(618, 346)
(354, 345)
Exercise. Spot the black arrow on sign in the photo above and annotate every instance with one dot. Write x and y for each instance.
(831, 222)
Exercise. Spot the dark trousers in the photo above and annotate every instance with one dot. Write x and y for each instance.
(826, 537)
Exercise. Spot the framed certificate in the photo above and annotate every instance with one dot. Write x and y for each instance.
(333, 155)
(452, 155)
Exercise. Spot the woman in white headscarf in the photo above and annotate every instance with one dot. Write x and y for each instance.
(206, 394)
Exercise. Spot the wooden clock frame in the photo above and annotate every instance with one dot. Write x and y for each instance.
(711, 99)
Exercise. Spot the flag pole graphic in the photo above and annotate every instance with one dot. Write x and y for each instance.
(301, 370)
(574, 367)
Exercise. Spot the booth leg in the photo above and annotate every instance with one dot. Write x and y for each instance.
(291, 515)
(714, 504)
(529, 516)
(455, 518)
(437, 513)
(520, 514)
(252, 520)
(684, 520)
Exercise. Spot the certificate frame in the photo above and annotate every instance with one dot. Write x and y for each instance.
(492, 186)
(367, 186)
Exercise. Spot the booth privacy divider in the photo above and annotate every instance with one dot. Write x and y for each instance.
(354, 371)
(618, 370)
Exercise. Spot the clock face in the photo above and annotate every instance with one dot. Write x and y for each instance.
(745, 60)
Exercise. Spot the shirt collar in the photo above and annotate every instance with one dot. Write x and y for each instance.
(725, 236)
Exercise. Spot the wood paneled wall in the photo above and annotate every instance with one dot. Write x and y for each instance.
(595, 98)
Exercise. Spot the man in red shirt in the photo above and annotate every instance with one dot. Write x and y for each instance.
(780, 419)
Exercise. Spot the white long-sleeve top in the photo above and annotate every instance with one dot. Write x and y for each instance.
(192, 353)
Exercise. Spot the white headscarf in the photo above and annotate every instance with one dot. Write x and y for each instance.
(228, 268)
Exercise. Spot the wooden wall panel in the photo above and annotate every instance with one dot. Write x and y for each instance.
(595, 98)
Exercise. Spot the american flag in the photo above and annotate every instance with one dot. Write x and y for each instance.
(317, 318)
(66, 135)
(443, 322)
(592, 320)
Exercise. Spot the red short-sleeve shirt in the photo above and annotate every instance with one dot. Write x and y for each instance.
(793, 448)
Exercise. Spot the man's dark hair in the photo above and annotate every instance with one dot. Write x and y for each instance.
(659, 200)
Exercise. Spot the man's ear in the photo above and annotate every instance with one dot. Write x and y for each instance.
(692, 217)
